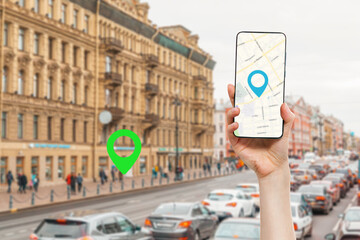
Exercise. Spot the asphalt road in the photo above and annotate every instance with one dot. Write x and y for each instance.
(138, 205)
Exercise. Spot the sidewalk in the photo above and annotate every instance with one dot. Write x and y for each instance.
(15, 200)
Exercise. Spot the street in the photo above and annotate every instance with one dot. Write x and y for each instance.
(137, 205)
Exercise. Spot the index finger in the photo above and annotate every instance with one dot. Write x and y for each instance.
(231, 92)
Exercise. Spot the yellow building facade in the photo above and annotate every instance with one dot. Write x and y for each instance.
(66, 61)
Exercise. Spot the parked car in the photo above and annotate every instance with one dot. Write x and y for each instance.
(348, 175)
(303, 175)
(238, 228)
(296, 197)
(302, 219)
(317, 197)
(350, 222)
(332, 189)
(294, 183)
(95, 225)
(253, 190)
(176, 220)
(338, 183)
(343, 179)
(235, 202)
(320, 169)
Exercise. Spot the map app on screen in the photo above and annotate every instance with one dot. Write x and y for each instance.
(259, 84)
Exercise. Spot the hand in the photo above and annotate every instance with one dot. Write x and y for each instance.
(264, 156)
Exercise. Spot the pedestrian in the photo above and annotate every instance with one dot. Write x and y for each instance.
(102, 176)
(35, 181)
(166, 172)
(79, 182)
(120, 176)
(227, 166)
(9, 179)
(73, 183)
(204, 167)
(154, 173)
(209, 168)
(23, 183)
(113, 169)
(219, 167)
(161, 171)
(18, 179)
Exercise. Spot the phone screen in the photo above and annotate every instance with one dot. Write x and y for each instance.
(260, 84)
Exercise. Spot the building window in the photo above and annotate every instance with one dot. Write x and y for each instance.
(196, 92)
(20, 125)
(49, 120)
(221, 141)
(143, 165)
(86, 20)
(62, 90)
(61, 166)
(36, 6)
(21, 43)
(84, 166)
(86, 60)
(19, 165)
(107, 97)
(6, 34)
(63, 52)
(86, 90)
(3, 170)
(73, 164)
(62, 126)
(75, 55)
(4, 79)
(108, 64)
(103, 163)
(221, 128)
(48, 168)
(51, 9)
(49, 90)
(74, 130)
(50, 53)
(36, 85)
(21, 3)
(85, 131)
(63, 13)
(74, 93)
(3, 124)
(36, 43)
(75, 20)
(36, 127)
(21, 83)
(35, 165)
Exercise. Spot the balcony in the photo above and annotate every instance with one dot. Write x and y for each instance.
(197, 102)
(117, 113)
(112, 45)
(151, 60)
(200, 78)
(113, 79)
(198, 128)
(151, 89)
(151, 120)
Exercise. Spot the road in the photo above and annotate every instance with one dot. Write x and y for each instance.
(138, 205)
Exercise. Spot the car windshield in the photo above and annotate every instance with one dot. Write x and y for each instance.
(173, 209)
(353, 216)
(304, 165)
(220, 196)
(61, 229)
(238, 231)
(311, 189)
(295, 198)
(316, 167)
(247, 189)
(297, 172)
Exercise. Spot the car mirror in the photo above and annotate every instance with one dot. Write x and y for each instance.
(330, 236)
(341, 215)
(137, 228)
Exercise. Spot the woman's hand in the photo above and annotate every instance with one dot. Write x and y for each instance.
(264, 156)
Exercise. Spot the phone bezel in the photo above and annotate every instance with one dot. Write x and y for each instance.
(236, 48)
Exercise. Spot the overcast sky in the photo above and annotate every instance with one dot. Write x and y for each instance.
(323, 44)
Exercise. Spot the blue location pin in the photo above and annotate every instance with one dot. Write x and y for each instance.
(258, 90)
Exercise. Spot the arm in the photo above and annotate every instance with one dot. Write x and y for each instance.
(268, 158)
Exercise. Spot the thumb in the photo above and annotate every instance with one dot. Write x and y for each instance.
(288, 116)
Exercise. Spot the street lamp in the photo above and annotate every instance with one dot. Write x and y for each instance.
(177, 103)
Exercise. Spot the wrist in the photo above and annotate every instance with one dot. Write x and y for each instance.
(281, 175)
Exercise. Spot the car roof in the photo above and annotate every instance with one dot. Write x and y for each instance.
(230, 191)
(248, 184)
(296, 193)
(320, 182)
(354, 208)
(243, 220)
(84, 215)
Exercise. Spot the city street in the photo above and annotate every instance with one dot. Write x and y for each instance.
(137, 205)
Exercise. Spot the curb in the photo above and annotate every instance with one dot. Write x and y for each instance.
(63, 202)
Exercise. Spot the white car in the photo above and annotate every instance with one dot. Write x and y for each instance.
(302, 219)
(253, 190)
(230, 202)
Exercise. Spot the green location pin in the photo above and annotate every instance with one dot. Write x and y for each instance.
(123, 164)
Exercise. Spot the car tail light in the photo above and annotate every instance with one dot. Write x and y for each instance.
(33, 237)
(183, 238)
(322, 172)
(61, 220)
(358, 194)
(314, 176)
(255, 195)
(232, 204)
(185, 224)
(341, 185)
(358, 181)
(219, 193)
(344, 180)
(205, 203)
(306, 177)
(295, 227)
(85, 238)
(320, 198)
(148, 223)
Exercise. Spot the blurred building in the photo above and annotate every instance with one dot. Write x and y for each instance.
(300, 137)
(220, 141)
(64, 62)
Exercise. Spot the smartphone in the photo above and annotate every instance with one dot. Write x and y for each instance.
(260, 84)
